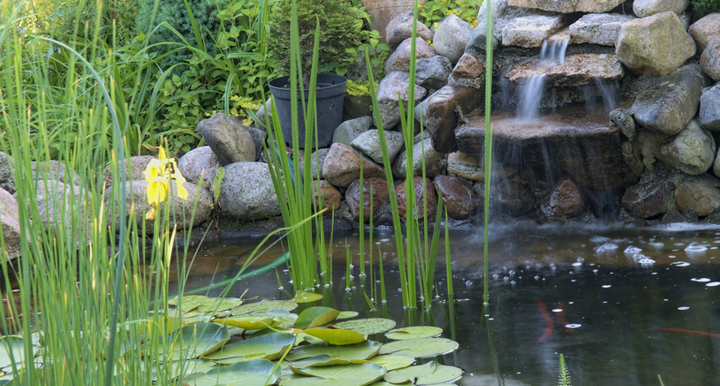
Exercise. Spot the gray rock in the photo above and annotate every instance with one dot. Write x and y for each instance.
(54, 170)
(396, 83)
(263, 112)
(465, 166)
(645, 8)
(716, 165)
(698, 195)
(530, 31)
(710, 58)
(691, 152)
(10, 224)
(598, 28)
(368, 143)
(668, 107)
(624, 121)
(6, 173)
(709, 116)
(138, 164)
(228, 138)
(342, 166)
(349, 130)
(440, 113)
(648, 198)
(468, 72)
(247, 192)
(399, 60)
(432, 73)
(259, 137)
(434, 162)
(356, 106)
(575, 70)
(400, 28)
(568, 6)
(199, 163)
(57, 201)
(656, 44)
(451, 37)
(705, 29)
(317, 158)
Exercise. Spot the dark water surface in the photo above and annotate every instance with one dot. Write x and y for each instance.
(622, 304)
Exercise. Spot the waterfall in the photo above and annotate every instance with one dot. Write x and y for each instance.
(531, 92)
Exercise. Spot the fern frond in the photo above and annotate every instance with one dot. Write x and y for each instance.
(564, 373)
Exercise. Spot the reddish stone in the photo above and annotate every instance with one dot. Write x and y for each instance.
(566, 200)
(458, 196)
(429, 196)
(379, 196)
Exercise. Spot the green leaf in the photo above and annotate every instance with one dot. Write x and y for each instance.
(248, 322)
(343, 375)
(265, 305)
(427, 374)
(14, 345)
(416, 332)
(191, 367)
(420, 348)
(315, 317)
(197, 340)
(336, 336)
(359, 351)
(393, 361)
(217, 183)
(257, 372)
(367, 326)
(269, 346)
(307, 297)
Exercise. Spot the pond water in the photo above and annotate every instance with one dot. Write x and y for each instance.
(623, 305)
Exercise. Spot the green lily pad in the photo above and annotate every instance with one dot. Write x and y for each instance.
(248, 322)
(307, 297)
(198, 340)
(364, 350)
(266, 346)
(392, 361)
(343, 375)
(191, 367)
(420, 348)
(336, 336)
(416, 332)
(204, 304)
(347, 315)
(316, 317)
(265, 305)
(367, 326)
(383, 383)
(320, 360)
(303, 337)
(14, 345)
(427, 374)
(257, 372)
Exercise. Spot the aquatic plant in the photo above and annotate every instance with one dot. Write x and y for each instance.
(563, 373)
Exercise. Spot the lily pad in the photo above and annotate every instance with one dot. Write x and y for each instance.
(367, 326)
(266, 346)
(204, 304)
(14, 345)
(336, 336)
(427, 374)
(265, 305)
(257, 372)
(392, 361)
(415, 332)
(316, 317)
(347, 315)
(191, 367)
(198, 340)
(364, 350)
(307, 297)
(420, 348)
(320, 360)
(344, 375)
(248, 322)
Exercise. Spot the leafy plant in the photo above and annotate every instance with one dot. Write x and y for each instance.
(563, 373)
(704, 7)
(433, 11)
(358, 88)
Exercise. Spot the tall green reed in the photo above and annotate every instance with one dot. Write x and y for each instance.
(489, 30)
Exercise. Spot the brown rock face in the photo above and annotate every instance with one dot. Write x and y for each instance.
(331, 196)
(648, 199)
(465, 166)
(566, 200)
(698, 195)
(380, 195)
(576, 70)
(420, 194)
(342, 166)
(442, 119)
(458, 197)
(705, 29)
(468, 67)
(514, 198)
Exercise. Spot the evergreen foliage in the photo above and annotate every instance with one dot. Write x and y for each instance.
(703, 7)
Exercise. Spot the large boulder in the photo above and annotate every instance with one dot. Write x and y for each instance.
(380, 195)
(247, 192)
(228, 138)
(424, 195)
(698, 195)
(705, 29)
(199, 166)
(645, 8)
(451, 37)
(6, 173)
(458, 197)
(393, 86)
(692, 151)
(368, 143)
(349, 130)
(565, 200)
(709, 116)
(138, 164)
(649, 197)
(530, 31)
(330, 195)
(400, 28)
(317, 159)
(342, 166)
(57, 201)
(710, 59)
(468, 72)
(598, 28)
(399, 60)
(54, 170)
(440, 113)
(434, 161)
(433, 73)
(657, 44)
(568, 6)
(10, 224)
(668, 107)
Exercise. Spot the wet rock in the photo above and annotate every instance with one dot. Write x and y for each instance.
(657, 44)
(633, 157)
(368, 143)
(342, 166)
(400, 28)
(6, 173)
(465, 166)
(598, 28)
(705, 29)
(566, 200)
(576, 70)
(228, 138)
(691, 152)
(441, 111)
(9, 217)
(568, 6)
(394, 84)
(530, 31)
(199, 163)
(645, 8)
(434, 161)
(710, 58)
(709, 116)
(422, 196)
(451, 37)
(432, 73)
(649, 197)
(458, 197)
(380, 196)
(399, 60)
(699, 196)
(247, 192)
(317, 159)
(624, 121)
(468, 72)
(331, 197)
(668, 107)
(513, 198)
(349, 130)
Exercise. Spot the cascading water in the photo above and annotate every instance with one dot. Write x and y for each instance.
(551, 53)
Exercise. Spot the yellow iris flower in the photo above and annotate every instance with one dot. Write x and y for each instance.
(158, 174)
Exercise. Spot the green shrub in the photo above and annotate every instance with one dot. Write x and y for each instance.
(433, 11)
(703, 7)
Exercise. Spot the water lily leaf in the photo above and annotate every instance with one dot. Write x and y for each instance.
(367, 326)
(336, 336)
(307, 297)
(427, 374)
(265, 305)
(204, 304)
(269, 346)
(248, 322)
(303, 337)
(393, 361)
(16, 346)
(415, 332)
(347, 315)
(320, 360)
(286, 319)
(198, 340)
(364, 350)
(316, 317)
(257, 372)
(383, 383)
(191, 367)
(343, 375)
(420, 348)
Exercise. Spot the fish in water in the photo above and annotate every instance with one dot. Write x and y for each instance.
(549, 321)
(685, 331)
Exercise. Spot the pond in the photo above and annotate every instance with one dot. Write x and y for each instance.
(622, 304)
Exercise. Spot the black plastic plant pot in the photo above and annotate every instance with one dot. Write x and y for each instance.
(329, 95)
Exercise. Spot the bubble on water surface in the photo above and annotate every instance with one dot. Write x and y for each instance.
(573, 325)
(700, 280)
(657, 245)
(696, 249)
(713, 284)
(680, 264)
(606, 286)
(683, 308)
(557, 310)
(646, 261)
(606, 248)
(632, 250)
(599, 239)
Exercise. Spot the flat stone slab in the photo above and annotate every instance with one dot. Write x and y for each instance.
(598, 28)
(576, 70)
(530, 31)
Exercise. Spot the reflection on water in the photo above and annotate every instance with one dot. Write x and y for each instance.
(623, 305)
